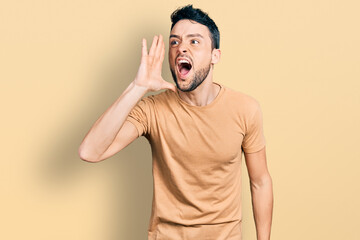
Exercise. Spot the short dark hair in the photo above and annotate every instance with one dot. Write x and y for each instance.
(197, 15)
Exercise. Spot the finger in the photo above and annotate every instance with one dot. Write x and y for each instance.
(144, 50)
(158, 47)
(162, 54)
(153, 47)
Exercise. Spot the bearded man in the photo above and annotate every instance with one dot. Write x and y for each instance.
(197, 130)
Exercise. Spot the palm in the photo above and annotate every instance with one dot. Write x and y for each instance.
(149, 73)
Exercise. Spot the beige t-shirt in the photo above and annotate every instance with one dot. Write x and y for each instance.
(196, 155)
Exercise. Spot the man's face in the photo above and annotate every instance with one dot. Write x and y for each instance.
(190, 54)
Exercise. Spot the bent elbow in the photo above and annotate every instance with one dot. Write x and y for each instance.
(87, 157)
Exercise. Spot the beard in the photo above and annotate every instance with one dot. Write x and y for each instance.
(199, 76)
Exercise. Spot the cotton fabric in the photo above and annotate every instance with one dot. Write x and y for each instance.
(196, 167)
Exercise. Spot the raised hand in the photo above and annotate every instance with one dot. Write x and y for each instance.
(149, 73)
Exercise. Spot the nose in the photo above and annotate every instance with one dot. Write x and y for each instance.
(182, 48)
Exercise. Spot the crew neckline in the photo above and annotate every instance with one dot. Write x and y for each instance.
(214, 101)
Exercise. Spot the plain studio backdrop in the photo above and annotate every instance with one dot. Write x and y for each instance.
(63, 63)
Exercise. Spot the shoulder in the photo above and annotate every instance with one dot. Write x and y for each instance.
(162, 96)
(158, 99)
(241, 100)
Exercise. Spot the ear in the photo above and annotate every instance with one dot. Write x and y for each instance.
(215, 56)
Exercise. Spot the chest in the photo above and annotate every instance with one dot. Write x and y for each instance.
(199, 139)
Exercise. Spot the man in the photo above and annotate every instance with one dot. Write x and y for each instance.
(197, 131)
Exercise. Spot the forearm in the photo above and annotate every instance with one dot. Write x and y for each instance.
(262, 201)
(105, 129)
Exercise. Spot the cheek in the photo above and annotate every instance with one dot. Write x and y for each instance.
(203, 59)
(171, 57)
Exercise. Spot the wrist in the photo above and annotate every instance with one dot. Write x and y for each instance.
(140, 87)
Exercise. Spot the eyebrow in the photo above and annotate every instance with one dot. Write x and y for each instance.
(189, 35)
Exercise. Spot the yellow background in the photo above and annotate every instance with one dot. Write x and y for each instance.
(62, 63)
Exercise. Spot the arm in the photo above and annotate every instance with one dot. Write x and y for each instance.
(261, 192)
(110, 133)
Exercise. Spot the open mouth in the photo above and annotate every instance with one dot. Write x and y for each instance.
(184, 67)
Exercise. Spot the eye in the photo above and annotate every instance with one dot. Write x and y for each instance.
(194, 41)
(174, 42)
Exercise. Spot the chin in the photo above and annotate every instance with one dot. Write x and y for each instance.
(191, 82)
(184, 88)
(190, 86)
(185, 85)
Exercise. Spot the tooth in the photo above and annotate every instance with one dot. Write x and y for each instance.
(183, 61)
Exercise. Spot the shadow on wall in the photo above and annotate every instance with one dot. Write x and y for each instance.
(129, 172)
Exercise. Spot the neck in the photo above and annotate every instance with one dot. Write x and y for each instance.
(203, 95)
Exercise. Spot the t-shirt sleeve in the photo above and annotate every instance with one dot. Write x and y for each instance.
(254, 139)
(140, 116)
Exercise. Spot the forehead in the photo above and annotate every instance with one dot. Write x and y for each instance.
(185, 27)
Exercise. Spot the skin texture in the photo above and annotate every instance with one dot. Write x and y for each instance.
(199, 76)
(192, 40)
(261, 192)
(149, 72)
(111, 133)
(193, 45)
